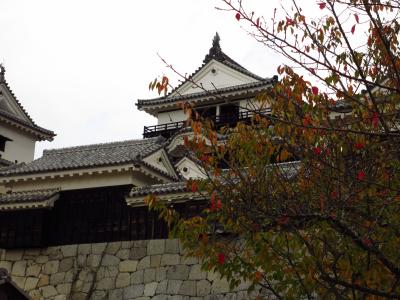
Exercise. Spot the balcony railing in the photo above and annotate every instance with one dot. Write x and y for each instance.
(168, 129)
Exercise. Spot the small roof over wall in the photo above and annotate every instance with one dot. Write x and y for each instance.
(8, 289)
(13, 113)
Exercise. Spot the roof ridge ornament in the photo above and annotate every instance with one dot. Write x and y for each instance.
(215, 51)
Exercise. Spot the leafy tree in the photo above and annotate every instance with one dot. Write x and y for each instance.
(307, 205)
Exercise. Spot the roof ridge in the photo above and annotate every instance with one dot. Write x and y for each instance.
(100, 145)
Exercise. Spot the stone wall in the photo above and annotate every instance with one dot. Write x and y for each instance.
(155, 269)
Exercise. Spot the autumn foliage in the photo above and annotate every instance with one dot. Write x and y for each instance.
(307, 205)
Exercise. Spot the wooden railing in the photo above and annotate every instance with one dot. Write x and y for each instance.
(168, 129)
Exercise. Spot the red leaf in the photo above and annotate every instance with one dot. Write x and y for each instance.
(375, 120)
(212, 202)
(367, 242)
(221, 258)
(289, 21)
(357, 19)
(194, 187)
(315, 90)
(361, 175)
(359, 146)
(353, 28)
(322, 5)
(258, 22)
(219, 204)
(317, 150)
(334, 195)
(237, 16)
(283, 220)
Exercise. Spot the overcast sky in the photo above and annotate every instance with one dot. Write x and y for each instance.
(79, 66)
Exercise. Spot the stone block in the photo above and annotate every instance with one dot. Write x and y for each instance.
(160, 297)
(211, 275)
(149, 275)
(162, 287)
(81, 260)
(43, 280)
(174, 286)
(155, 261)
(144, 263)
(33, 270)
(143, 298)
(150, 289)
(188, 288)
(106, 284)
(110, 260)
(155, 247)
(19, 281)
(99, 248)
(117, 294)
(48, 291)
(64, 288)
(42, 259)
(137, 277)
(99, 295)
(60, 297)
(78, 296)
(196, 273)
(69, 250)
(140, 244)
(35, 294)
(57, 278)
(189, 260)
(18, 268)
(161, 273)
(133, 291)
(113, 247)
(14, 255)
(66, 264)
(128, 266)
(6, 265)
(51, 267)
(30, 283)
(123, 280)
(203, 288)
(170, 259)
(178, 272)
(137, 253)
(126, 244)
(172, 246)
(84, 249)
(123, 254)
(69, 276)
(94, 260)
(220, 286)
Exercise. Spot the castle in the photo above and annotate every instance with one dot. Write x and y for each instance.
(73, 223)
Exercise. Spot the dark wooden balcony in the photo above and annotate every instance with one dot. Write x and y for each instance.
(166, 130)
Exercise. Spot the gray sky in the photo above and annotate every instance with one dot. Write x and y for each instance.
(78, 66)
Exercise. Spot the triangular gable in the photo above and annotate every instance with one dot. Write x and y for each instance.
(10, 105)
(189, 169)
(213, 75)
(160, 161)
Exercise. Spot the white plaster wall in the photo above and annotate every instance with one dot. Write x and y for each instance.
(171, 116)
(22, 146)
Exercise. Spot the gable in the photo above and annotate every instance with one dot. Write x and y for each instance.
(10, 105)
(160, 161)
(189, 169)
(213, 75)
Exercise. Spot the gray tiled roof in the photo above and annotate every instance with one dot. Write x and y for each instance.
(163, 188)
(88, 156)
(27, 196)
(44, 133)
(236, 88)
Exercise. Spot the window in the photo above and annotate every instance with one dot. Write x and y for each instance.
(3, 141)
